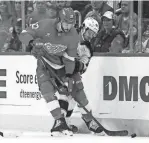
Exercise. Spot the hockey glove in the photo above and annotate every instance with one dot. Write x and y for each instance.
(79, 67)
(69, 82)
(37, 48)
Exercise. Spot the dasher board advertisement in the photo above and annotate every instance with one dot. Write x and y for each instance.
(113, 87)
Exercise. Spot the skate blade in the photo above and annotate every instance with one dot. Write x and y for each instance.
(12, 134)
(61, 134)
(75, 131)
(56, 134)
(67, 133)
(99, 134)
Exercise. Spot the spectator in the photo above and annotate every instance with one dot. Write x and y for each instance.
(123, 21)
(79, 5)
(109, 39)
(39, 13)
(60, 4)
(13, 43)
(52, 9)
(96, 9)
(55, 6)
(68, 3)
(30, 8)
(145, 40)
(18, 12)
(6, 21)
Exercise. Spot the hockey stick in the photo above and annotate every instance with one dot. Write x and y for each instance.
(108, 132)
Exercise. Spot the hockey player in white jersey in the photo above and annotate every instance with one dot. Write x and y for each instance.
(88, 30)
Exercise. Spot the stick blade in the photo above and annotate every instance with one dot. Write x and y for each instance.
(117, 133)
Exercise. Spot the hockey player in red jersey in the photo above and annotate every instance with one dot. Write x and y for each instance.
(51, 38)
(55, 44)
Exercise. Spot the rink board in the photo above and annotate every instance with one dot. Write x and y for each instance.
(117, 88)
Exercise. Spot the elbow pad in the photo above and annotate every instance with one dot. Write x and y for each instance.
(25, 38)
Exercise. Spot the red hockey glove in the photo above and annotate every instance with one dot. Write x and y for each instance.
(37, 49)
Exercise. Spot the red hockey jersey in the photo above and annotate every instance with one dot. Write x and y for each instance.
(46, 30)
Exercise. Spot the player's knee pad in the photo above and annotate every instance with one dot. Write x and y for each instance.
(78, 85)
(47, 91)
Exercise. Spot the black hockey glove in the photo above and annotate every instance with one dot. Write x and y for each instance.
(79, 67)
(69, 81)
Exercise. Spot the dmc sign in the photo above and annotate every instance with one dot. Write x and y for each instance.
(128, 88)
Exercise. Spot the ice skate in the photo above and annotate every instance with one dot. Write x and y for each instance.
(94, 127)
(61, 128)
(73, 128)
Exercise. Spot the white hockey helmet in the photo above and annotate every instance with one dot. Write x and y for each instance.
(92, 24)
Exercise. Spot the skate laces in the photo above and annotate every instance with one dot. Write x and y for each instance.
(93, 125)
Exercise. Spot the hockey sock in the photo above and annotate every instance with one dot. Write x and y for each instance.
(71, 106)
(64, 106)
(87, 117)
(63, 102)
(55, 109)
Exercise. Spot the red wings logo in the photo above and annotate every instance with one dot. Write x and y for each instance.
(54, 48)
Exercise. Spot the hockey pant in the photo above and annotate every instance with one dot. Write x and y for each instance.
(48, 92)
